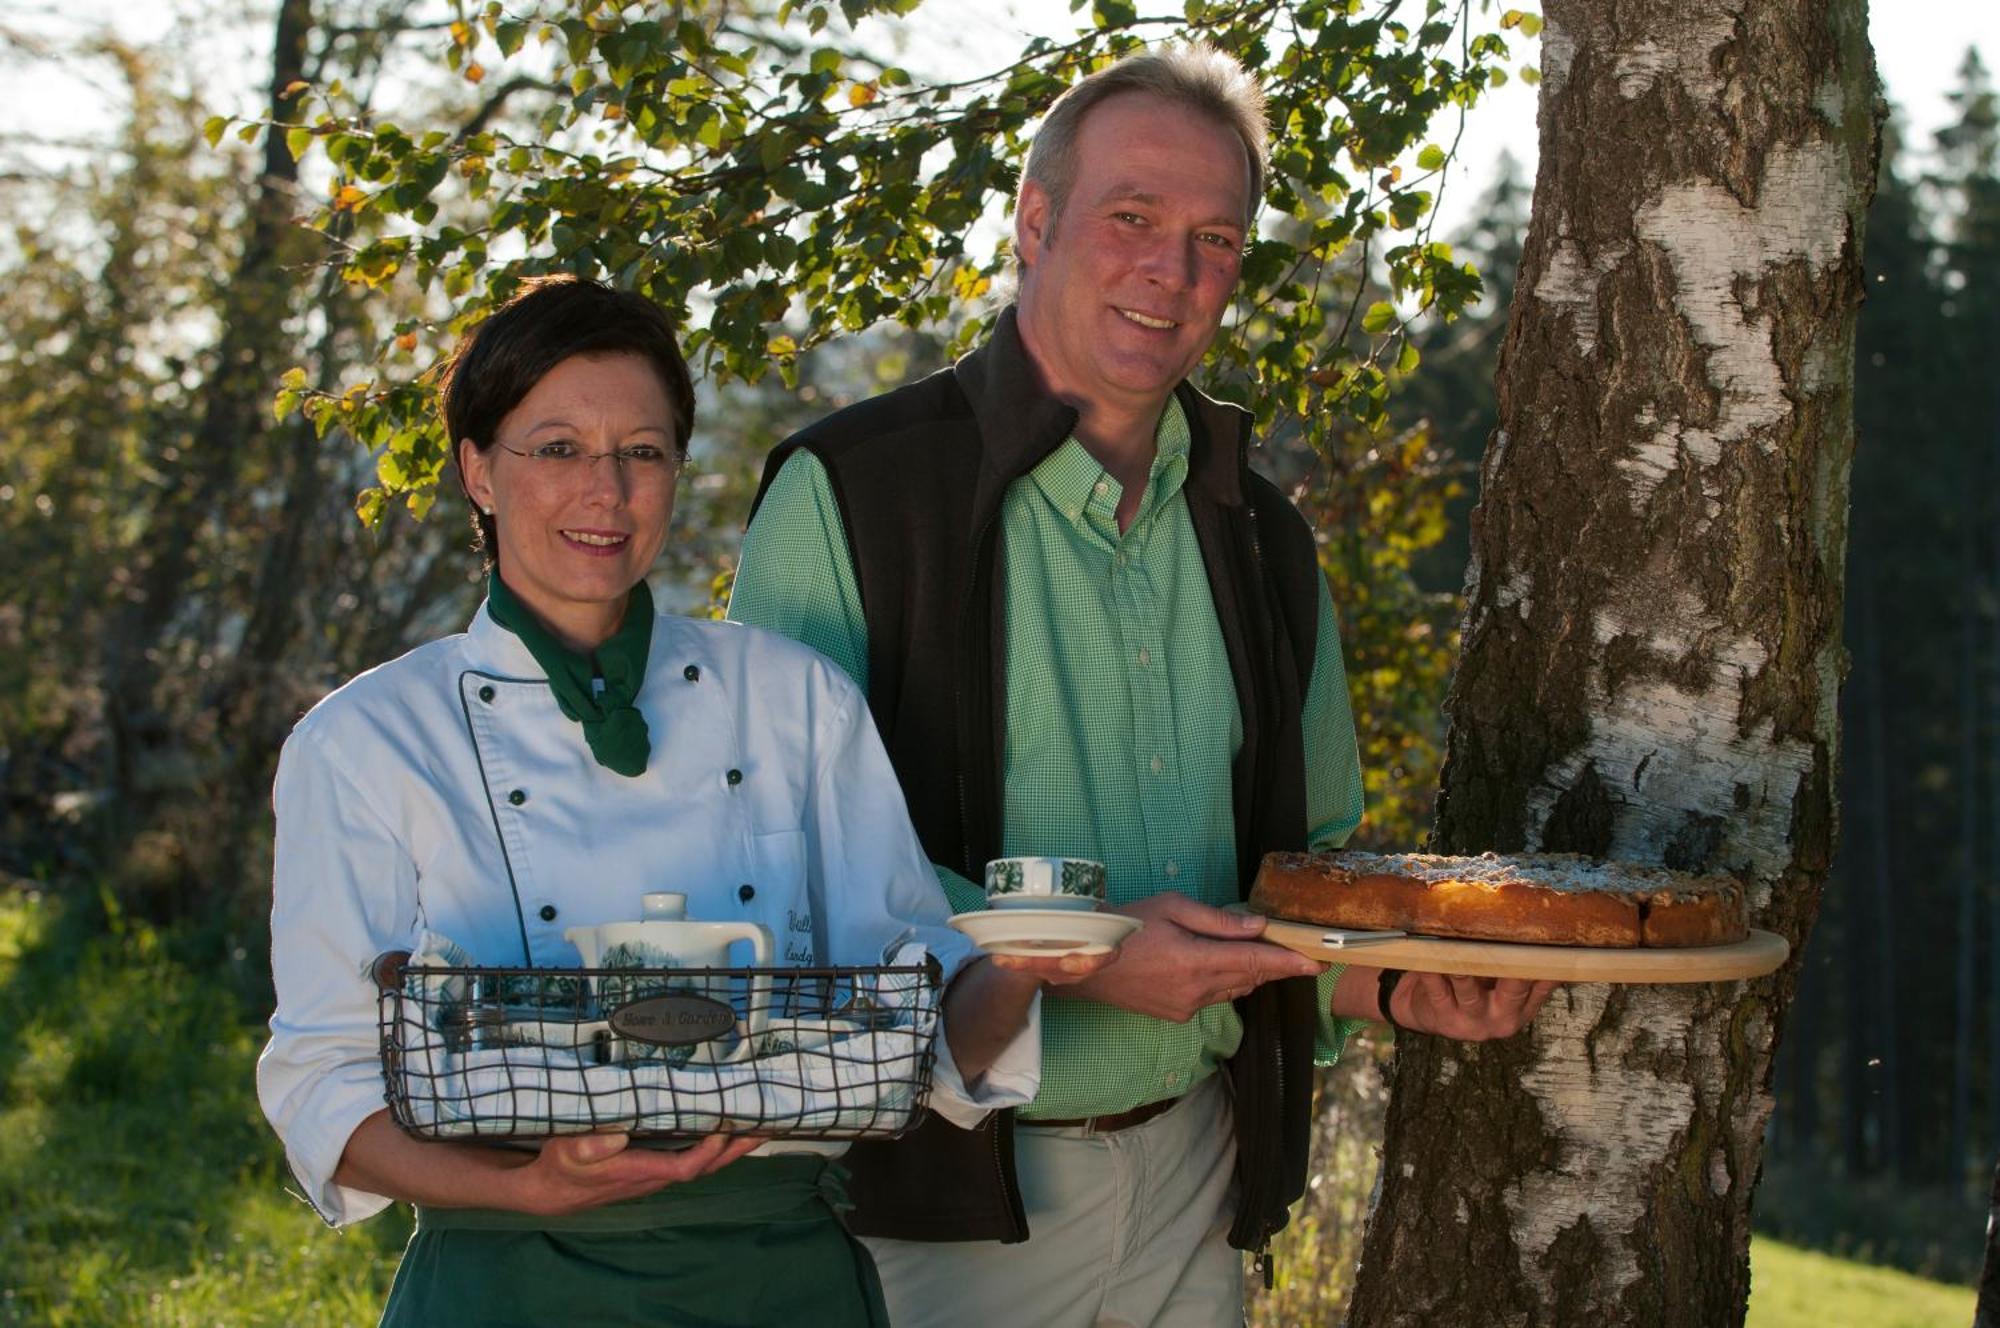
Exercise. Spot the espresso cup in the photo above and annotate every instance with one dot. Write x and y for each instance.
(1066, 883)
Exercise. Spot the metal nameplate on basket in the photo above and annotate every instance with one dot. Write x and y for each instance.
(674, 1020)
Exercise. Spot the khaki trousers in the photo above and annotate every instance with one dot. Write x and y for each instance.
(1126, 1230)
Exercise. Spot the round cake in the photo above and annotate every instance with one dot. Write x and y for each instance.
(1536, 898)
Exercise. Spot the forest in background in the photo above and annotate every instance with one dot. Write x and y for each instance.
(155, 293)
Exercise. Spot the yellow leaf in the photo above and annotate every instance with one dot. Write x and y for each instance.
(613, 111)
(461, 33)
(475, 72)
(293, 89)
(408, 341)
(860, 94)
(349, 197)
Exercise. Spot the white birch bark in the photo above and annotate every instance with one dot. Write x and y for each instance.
(1651, 650)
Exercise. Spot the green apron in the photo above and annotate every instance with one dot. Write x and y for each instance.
(755, 1243)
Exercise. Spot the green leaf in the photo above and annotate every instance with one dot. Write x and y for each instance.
(298, 138)
(1381, 316)
(1431, 158)
(214, 127)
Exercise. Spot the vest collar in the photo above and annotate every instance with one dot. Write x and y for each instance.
(1020, 423)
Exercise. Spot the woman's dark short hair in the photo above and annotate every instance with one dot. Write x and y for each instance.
(551, 319)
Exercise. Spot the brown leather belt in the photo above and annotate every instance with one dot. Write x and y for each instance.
(1111, 1124)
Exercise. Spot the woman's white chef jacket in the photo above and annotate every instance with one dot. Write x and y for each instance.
(446, 790)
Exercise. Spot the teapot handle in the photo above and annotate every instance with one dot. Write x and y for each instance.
(762, 945)
(762, 948)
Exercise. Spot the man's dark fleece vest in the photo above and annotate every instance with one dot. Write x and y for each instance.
(918, 475)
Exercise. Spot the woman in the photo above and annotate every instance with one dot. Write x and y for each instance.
(567, 753)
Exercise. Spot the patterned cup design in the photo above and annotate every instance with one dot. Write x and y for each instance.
(1053, 878)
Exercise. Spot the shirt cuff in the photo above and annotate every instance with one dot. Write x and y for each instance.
(1331, 1031)
(1011, 1081)
(315, 1125)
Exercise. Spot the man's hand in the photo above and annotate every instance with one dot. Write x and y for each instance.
(1188, 956)
(1055, 970)
(1467, 1009)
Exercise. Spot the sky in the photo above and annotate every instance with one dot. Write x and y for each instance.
(1918, 44)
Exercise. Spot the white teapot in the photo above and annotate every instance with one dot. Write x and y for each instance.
(666, 937)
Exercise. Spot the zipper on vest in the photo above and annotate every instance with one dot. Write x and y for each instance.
(972, 869)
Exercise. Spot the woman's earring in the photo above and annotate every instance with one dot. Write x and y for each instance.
(487, 510)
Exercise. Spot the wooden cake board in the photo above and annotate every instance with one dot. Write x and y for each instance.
(1758, 953)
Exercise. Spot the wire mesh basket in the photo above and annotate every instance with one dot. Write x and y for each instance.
(526, 1053)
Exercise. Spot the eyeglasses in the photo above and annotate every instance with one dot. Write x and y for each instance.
(641, 462)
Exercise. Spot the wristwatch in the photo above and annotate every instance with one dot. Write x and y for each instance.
(1385, 986)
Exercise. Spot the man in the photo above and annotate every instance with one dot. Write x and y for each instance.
(1087, 629)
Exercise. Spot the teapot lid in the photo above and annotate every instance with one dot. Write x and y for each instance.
(662, 906)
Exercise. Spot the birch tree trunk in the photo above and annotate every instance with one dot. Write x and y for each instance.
(1651, 651)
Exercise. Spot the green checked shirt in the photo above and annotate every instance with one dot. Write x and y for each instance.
(1121, 724)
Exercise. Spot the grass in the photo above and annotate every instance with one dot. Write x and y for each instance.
(1795, 1288)
(139, 1184)
(138, 1181)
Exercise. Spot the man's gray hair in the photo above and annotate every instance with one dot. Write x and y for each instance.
(1199, 77)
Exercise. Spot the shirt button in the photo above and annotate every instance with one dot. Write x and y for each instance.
(1158, 765)
(519, 796)
(1145, 657)
(734, 777)
(486, 695)
(1173, 869)
(1101, 488)
(746, 892)
(692, 673)
(548, 913)
(1118, 558)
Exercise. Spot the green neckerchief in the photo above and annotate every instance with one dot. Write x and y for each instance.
(597, 689)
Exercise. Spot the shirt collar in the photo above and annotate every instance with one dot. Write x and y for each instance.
(1068, 477)
(491, 648)
(1020, 425)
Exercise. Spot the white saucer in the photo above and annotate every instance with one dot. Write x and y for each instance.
(1041, 932)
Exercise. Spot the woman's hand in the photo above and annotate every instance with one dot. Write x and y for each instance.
(569, 1174)
(579, 1171)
